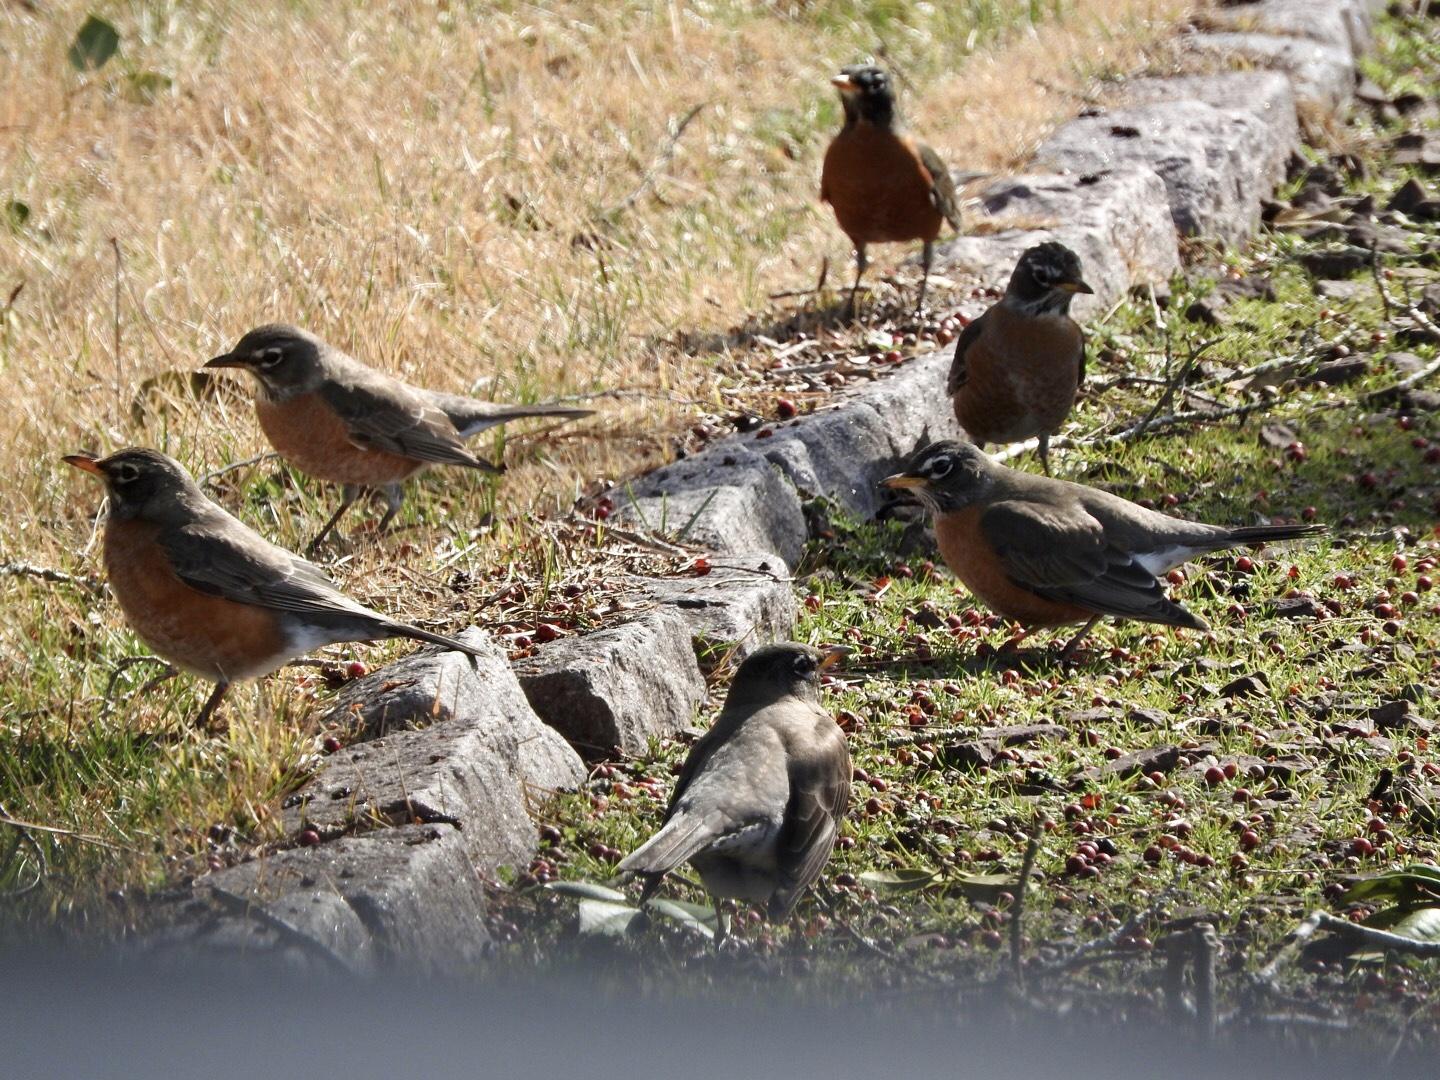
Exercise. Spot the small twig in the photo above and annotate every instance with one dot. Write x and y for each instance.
(211, 477)
(662, 160)
(1017, 914)
(1205, 944)
(1169, 393)
(45, 573)
(239, 905)
(30, 826)
(1379, 279)
(119, 370)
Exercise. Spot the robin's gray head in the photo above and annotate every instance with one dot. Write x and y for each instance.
(144, 484)
(1047, 277)
(866, 93)
(285, 359)
(946, 476)
(784, 670)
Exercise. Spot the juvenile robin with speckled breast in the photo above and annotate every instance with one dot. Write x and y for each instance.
(209, 594)
(884, 185)
(1043, 552)
(1019, 366)
(336, 419)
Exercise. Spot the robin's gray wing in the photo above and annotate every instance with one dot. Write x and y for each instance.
(1080, 375)
(383, 414)
(220, 556)
(942, 186)
(959, 368)
(819, 793)
(1060, 552)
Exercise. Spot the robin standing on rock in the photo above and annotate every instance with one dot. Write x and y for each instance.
(885, 186)
(336, 419)
(758, 805)
(1018, 367)
(1045, 552)
(209, 594)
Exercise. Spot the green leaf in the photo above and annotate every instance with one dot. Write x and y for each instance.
(906, 879)
(694, 916)
(985, 885)
(17, 213)
(1407, 887)
(598, 917)
(94, 44)
(143, 87)
(1422, 925)
(587, 890)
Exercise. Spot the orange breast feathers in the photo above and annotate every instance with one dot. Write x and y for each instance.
(208, 635)
(972, 559)
(879, 188)
(1022, 375)
(308, 434)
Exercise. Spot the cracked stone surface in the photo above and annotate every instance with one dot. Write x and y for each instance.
(397, 898)
(744, 602)
(1219, 144)
(481, 759)
(610, 691)
(1116, 221)
(1342, 24)
(726, 498)
(1323, 75)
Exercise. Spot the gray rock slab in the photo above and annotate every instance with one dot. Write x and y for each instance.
(1116, 220)
(726, 498)
(614, 689)
(480, 760)
(1217, 160)
(743, 602)
(394, 899)
(1323, 75)
(1341, 24)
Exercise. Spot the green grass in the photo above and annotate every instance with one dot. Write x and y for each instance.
(933, 674)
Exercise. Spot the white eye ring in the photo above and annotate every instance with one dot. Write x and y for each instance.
(941, 466)
(126, 473)
(270, 357)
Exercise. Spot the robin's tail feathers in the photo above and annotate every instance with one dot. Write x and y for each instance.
(684, 836)
(472, 416)
(1265, 534)
(406, 630)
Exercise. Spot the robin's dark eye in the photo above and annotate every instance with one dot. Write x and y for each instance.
(941, 466)
(804, 665)
(269, 358)
(125, 474)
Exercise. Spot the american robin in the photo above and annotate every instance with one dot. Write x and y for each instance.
(1018, 366)
(332, 417)
(758, 804)
(208, 593)
(1045, 552)
(885, 186)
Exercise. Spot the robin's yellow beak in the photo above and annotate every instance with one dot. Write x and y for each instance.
(843, 83)
(85, 463)
(903, 480)
(833, 655)
(1076, 286)
(227, 360)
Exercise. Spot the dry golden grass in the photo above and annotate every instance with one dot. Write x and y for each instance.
(447, 191)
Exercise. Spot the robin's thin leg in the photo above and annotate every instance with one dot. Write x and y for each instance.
(860, 264)
(1045, 452)
(348, 494)
(394, 497)
(927, 255)
(214, 700)
(1071, 645)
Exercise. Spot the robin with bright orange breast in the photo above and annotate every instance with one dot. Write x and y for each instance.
(1018, 367)
(336, 419)
(1045, 552)
(884, 185)
(209, 594)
